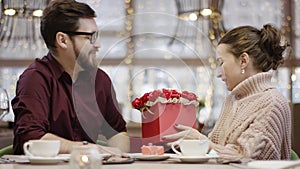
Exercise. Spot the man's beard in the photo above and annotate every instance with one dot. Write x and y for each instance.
(86, 60)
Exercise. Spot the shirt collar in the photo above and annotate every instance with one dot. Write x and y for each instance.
(58, 70)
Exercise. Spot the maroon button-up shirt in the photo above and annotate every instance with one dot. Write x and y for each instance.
(47, 101)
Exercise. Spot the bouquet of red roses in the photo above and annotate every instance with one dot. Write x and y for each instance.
(164, 96)
(162, 109)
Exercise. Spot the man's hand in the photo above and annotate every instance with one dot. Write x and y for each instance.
(120, 140)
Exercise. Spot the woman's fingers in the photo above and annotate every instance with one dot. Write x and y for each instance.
(176, 136)
(175, 143)
(183, 127)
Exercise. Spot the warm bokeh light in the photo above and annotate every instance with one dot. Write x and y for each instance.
(206, 12)
(10, 12)
(37, 13)
(293, 77)
(85, 159)
(193, 17)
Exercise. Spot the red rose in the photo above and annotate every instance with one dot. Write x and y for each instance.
(175, 94)
(154, 95)
(188, 95)
(137, 103)
(167, 93)
(145, 98)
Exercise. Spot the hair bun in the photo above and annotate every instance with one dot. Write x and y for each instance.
(273, 44)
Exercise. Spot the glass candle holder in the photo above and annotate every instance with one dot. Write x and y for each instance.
(85, 157)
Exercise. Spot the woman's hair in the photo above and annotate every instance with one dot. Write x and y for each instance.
(266, 46)
(62, 15)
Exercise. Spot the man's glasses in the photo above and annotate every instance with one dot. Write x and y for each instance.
(94, 35)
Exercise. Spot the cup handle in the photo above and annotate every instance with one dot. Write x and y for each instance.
(174, 149)
(26, 149)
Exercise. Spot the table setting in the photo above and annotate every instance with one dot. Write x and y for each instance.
(161, 110)
(84, 157)
(45, 152)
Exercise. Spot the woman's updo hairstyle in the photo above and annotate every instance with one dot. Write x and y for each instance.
(266, 47)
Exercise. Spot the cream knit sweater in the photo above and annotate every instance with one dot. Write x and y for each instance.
(255, 122)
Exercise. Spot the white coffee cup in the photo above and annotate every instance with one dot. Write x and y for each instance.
(192, 147)
(42, 148)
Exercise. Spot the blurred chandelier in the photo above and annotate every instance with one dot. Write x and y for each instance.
(204, 14)
(19, 24)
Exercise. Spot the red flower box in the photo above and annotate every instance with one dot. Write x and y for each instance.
(162, 109)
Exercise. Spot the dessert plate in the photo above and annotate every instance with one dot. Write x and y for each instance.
(140, 156)
(47, 160)
(195, 159)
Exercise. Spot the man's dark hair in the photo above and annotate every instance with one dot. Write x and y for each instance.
(62, 15)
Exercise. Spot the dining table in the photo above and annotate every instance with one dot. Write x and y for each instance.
(137, 164)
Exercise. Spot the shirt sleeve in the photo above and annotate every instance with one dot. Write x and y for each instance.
(30, 108)
(114, 122)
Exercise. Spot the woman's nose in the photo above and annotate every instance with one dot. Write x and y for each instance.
(219, 73)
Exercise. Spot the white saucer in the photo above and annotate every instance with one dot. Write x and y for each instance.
(195, 159)
(140, 156)
(48, 160)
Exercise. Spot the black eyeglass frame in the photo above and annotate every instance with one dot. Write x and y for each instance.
(94, 35)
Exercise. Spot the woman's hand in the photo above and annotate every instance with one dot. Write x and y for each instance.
(185, 132)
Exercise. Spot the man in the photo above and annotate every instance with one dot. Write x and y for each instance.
(65, 96)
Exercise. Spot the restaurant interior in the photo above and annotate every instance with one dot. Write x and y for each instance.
(155, 44)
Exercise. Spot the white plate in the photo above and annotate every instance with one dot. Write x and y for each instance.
(49, 160)
(195, 159)
(140, 156)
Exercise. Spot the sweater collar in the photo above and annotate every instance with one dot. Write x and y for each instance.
(254, 84)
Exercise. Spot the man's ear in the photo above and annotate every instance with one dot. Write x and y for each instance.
(61, 40)
(244, 60)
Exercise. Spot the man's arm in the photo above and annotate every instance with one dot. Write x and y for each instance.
(65, 145)
(121, 141)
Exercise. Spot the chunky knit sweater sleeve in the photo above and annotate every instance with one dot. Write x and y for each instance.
(255, 123)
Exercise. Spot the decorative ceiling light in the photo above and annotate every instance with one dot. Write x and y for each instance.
(19, 24)
(193, 9)
(9, 12)
(206, 12)
(37, 13)
(203, 14)
(206, 7)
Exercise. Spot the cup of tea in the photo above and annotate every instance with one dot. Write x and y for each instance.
(192, 147)
(42, 148)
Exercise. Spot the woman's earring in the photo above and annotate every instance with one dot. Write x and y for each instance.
(243, 71)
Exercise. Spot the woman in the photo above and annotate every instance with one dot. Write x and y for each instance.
(255, 122)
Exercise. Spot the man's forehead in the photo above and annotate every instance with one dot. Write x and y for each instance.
(87, 24)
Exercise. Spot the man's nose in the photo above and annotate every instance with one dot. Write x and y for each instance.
(97, 43)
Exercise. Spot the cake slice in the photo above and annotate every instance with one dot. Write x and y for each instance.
(152, 150)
